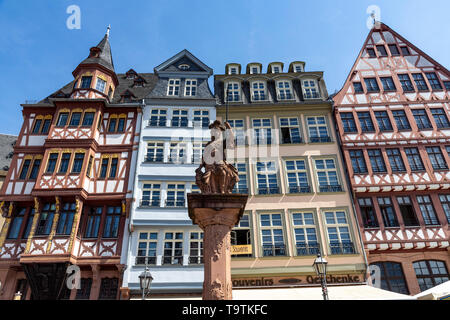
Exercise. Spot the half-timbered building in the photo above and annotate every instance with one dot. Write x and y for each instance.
(392, 115)
(67, 194)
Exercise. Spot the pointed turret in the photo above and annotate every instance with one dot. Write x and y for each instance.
(95, 76)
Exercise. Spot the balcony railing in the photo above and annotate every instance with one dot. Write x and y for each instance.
(173, 260)
(342, 248)
(145, 260)
(398, 169)
(304, 249)
(157, 123)
(175, 203)
(299, 189)
(440, 166)
(274, 250)
(154, 159)
(320, 139)
(150, 203)
(196, 260)
(274, 190)
(240, 190)
(330, 188)
(313, 95)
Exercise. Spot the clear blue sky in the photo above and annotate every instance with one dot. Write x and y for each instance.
(38, 52)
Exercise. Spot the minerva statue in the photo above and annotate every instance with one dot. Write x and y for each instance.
(218, 176)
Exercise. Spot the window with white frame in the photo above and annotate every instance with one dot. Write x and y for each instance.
(147, 244)
(290, 130)
(233, 70)
(233, 91)
(318, 129)
(298, 68)
(310, 89)
(196, 248)
(262, 131)
(180, 118)
(297, 176)
(239, 132)
(338, 230)
(176, 195)
(276, 68)
(267, 180)
(151, 195)
(197, 151)
(158, 118)
(284, 90)
(272, 235)
(306, 242)
(177, 152)
(155, 152)
(190, 88)
(101, 84)
(173, 89)
(173, 248)
(258, 91)
(242, 185)
(201, 118)
(327, 177)
(254, 69)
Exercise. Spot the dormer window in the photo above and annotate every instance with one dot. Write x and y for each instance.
(258, 91)
(190, 89)
(233, 91)
(86, 82)
(139, 82)
(310, 89)
(284, 90)
(298, 68)
(276, 69)
(233, 70)
(131, 74)
(255, 70)
(173, 88)
(184, 67)
(101, 85)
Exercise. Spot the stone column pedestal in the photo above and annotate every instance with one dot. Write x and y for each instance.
(216, 215)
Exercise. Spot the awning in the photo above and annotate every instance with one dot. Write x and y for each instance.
(353, 292)
(438, 292)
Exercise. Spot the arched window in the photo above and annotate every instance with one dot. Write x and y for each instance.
(392, 277)
(430, 273)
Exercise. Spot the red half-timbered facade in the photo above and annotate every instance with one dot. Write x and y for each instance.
(392, 115)
(67, 194)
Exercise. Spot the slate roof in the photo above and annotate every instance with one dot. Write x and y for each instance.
(124, 85)
(105, 57)
(7, 143)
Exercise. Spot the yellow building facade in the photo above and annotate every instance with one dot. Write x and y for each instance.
(289, 163)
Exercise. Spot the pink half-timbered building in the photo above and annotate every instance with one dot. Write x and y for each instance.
(393, 119)
(67, 194)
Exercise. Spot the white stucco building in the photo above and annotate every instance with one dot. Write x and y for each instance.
(174, 129)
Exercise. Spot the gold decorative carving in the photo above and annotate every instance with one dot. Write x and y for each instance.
(124, 207)
(219, 176)
(37, 213)
(7, 222)
(55, 223)
(76, 219)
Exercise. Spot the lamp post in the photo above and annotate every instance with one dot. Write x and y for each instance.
(145, 280)
(320, 266)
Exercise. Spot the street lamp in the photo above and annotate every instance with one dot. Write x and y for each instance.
(145, 280)
(320, 266)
